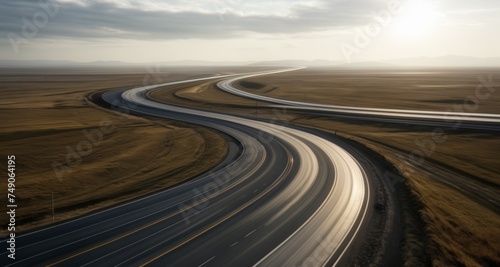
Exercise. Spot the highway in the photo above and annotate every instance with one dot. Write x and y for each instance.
(281, 197)
(432, 118)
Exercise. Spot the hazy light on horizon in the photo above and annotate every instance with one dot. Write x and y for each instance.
(243, 30)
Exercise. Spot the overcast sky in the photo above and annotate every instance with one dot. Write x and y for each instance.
(247, 30)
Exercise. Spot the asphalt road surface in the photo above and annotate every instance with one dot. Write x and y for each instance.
(431, 118)
(282, 197)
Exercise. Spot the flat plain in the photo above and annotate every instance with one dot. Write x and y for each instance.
(456, 183)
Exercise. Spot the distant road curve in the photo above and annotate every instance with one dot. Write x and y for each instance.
(334, 222)
(283, 197)
(437, 118)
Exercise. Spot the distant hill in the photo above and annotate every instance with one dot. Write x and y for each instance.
(367, 64)
(35, 63)
(297, 63)
(201, 63)
(58, 63)
(444, 61)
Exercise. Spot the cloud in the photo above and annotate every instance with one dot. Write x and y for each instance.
(110, 19)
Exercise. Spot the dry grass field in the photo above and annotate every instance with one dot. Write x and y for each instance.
(47, 119)
(90, 157)
(454, 181)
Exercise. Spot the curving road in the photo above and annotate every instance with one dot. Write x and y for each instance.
(432, 118)
(282, 197)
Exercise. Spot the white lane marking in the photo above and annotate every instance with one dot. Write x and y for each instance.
(206, 261)
(227, 85)
(250, 232)
(234, 244)
(365, 177)
(144, 238)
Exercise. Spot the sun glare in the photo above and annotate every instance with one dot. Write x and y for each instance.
(415, 21)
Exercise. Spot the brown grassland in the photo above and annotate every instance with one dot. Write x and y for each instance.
(456, 181)
(45, 114)
(456, 184)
